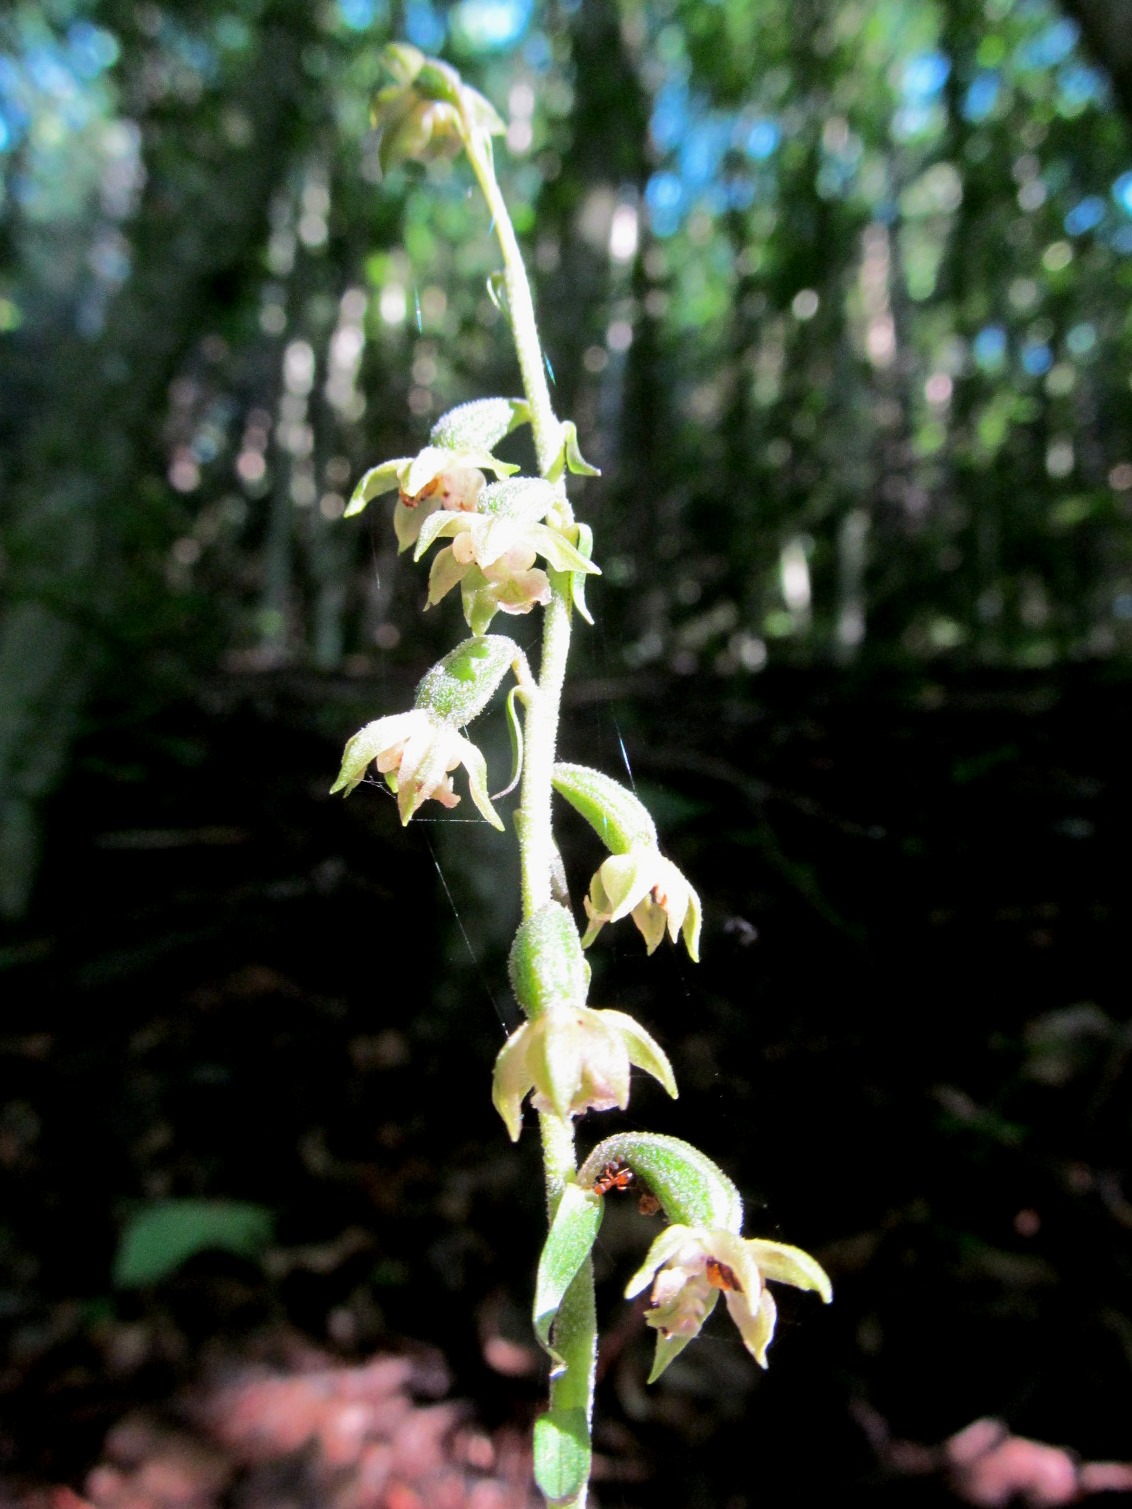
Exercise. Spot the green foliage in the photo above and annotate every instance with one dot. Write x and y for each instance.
(161, 1237)
(562, 1454)
(568, 1244)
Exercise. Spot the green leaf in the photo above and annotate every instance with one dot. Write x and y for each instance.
(568, 1244)
(497, 290)
(546, 964)
(164, 1235)
(460, 686)
(612, 811)
(481, 424)
(692, 1189)
(562, 1453)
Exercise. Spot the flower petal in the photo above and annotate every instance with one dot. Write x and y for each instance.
(557, 1049)
(423, 768)
(626, 879)
(651, 922)
(425, 467)
(691, 928)
(559, 552)
(668, 1348)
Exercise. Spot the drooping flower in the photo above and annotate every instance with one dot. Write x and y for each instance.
(493, 550)
(689, 1267)
(636, 880)
(415, 752)
(449, 472)
(437, 477)
(642, 884)
(428, 111)
(575, 1059)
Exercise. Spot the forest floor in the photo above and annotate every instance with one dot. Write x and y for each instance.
(908, 1042)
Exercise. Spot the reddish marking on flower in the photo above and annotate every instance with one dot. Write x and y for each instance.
(412, 500)
(720, 1276)
(660, 896)
(615, 1175)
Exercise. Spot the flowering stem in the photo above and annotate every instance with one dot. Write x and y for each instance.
(520, 305)
(575, 1331)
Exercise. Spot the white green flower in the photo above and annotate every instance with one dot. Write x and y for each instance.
(415, 751)
(642, 884)
(575, 1059)
(494, 547)
(690, 1267)
(440, 476)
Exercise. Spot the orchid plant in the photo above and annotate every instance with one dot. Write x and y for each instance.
(512, 545)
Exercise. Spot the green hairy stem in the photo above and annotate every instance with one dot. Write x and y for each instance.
(576, 1326)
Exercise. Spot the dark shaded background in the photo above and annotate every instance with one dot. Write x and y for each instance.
(839, 298)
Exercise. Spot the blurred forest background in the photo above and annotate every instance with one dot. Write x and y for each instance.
(840, 297)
